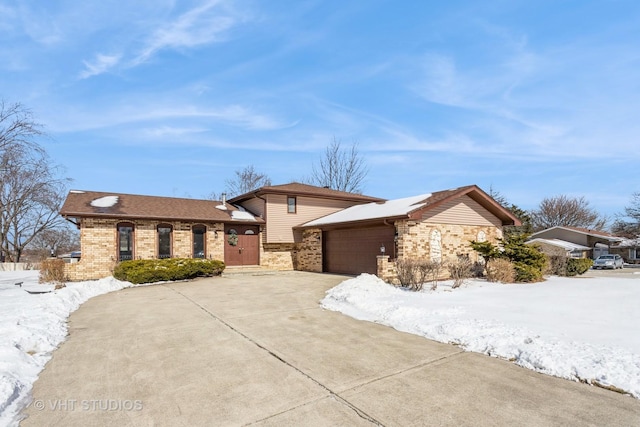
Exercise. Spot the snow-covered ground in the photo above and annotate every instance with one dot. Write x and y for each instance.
(577, 328)
(583, 329)
(31, 327)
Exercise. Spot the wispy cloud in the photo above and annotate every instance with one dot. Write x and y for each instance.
(101, 64)
(199, 26)
(207, 23)
(174, 117)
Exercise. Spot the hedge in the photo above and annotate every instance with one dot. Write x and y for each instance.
(160, 270)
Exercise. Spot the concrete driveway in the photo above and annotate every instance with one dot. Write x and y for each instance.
(257, 350)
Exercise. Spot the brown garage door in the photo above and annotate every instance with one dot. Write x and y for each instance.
(354, 250)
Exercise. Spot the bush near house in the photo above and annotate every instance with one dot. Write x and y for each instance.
(528, 262)
(460, 270)
(152, 270)
(561, 265)
(500, 270)
(414, 273)
(52, 271)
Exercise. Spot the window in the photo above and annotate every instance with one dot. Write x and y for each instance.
(164, 241)
(291, 204)
(634, 253)
(198, 232)
(125, 241)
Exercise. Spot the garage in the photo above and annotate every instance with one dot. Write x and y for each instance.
(354, 250)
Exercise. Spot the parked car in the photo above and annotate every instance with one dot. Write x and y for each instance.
(608, 261)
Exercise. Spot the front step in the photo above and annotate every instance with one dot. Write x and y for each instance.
(247, 270)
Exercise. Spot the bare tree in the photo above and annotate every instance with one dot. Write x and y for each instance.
(628, 223)
(17, 126)
(566, 211)
(246, 180)
(54, 241)
(339, 169)
(31, 191)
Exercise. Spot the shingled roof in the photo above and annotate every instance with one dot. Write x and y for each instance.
(96, 204)
(298, 189)
(413, 208)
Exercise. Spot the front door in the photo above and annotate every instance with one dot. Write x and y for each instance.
(241, 245)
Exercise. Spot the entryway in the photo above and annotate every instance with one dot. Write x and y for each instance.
(241, 245)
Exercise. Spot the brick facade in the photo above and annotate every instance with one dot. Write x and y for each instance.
(309, 251)
(99, 238)
(303, 256)
(417, 240)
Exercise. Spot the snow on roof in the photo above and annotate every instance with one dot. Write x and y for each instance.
(104, 202)
(373, 210)
(561, 243)
(242, 216)
(629, 243)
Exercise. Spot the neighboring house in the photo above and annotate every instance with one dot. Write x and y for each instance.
(116, 227)
(289, 227)
(628, 249)
(561, 248)
(597, 242)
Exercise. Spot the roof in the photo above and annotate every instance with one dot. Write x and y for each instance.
(97, 204)
(560, 243)
(629, 243)
(298, 189)
(413, 207)
(588, 232)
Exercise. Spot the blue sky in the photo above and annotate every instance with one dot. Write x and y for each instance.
(532, 98)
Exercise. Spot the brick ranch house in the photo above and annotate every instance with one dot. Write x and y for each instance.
(285, 227)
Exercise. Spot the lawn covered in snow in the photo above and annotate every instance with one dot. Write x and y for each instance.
(583, 328)
(31, 327)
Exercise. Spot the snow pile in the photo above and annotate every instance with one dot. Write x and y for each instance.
(32, 326)
(105, 202)
(583, 329)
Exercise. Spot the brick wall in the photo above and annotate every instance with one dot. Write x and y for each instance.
(277, 256)
(304, 256)
(309, 251)
(415, 241)
(98, 239)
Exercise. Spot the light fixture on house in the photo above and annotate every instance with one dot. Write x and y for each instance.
(382, 249)
(215, 234)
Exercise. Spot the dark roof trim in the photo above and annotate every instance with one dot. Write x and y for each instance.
(298, 189)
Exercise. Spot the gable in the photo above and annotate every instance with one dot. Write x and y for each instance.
(462, 211)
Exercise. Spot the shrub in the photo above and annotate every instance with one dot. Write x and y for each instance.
(459, 270)
(527, 273)
(500, 270)
(557, 265)
(527, 260)
(52, 271)
(561, 265)
(577, 266)
(150, 270)
(409, 274)
(413, 273)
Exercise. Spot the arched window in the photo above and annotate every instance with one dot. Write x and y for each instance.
(435, 243)
(199, 248)
(125, 241)
(164, 240)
